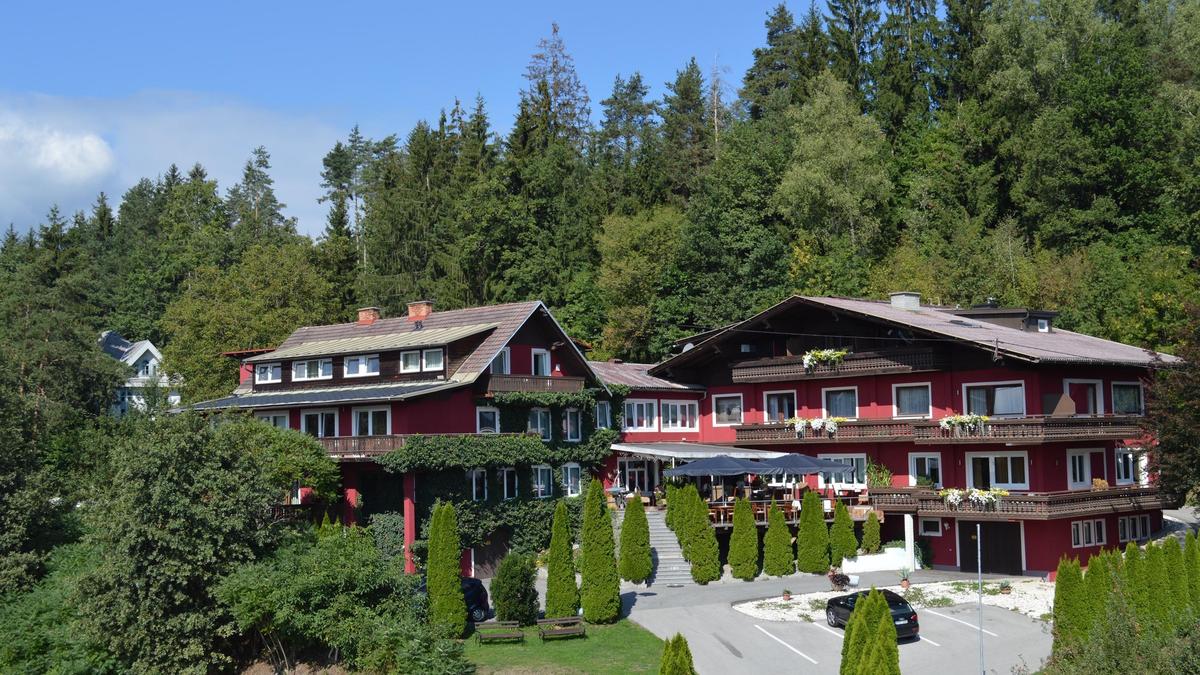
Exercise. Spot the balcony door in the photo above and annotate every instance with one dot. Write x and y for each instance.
(1086, 395)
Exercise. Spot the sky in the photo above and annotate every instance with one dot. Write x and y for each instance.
(94, 96)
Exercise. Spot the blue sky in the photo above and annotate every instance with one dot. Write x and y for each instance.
(94, 96)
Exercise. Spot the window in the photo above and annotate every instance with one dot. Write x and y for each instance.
(855, 474)
(1087, 533)
(539, 422)
(276, 419)
(603, 415)
(1079, 469)
(572, 430)
(487, 421)
(727, 410)
(1088, 395)
(410, 362)
(680, 416)
(998, 399)
(779, 405)
(319, 423)
(542, 481)
(925, 469)
(640, 416)
(1133, 528)
(265, 373)
(1127, 398)
(1006, 470)
(841, 402)
(502, 364)
(478, 480)
(371, 421)
(541, 362)
(361, 366)
(296, 494)
(931, 527)
(508, 481)
(432, 359)
(572, 479)
(911, 400)
(313, 369)
(1043, 325)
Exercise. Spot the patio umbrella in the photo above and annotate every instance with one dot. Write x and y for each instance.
(803, 464)
(723, 465)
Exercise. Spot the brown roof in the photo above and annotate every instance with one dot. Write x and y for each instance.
(634, 376)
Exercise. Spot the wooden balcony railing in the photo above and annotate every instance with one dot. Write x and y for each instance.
(858, 431)
(535, 383)
(1032, 430)
(1020, 505)
(861, 363)
(362, 448)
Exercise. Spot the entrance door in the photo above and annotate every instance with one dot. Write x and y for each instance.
(1001, 547)
(634, 475)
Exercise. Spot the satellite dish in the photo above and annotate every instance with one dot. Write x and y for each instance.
(688, 346)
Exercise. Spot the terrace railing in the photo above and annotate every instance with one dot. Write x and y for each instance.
(1020, 505)
(535, 383)
(1032, 430)
(858, 431)
(879, 362)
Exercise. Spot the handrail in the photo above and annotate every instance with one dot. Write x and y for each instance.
(883, 429)
(1033, 428)
(1029, 505)
(861, 363)
(535, 383)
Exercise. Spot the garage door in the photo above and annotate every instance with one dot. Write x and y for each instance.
(1001, 546)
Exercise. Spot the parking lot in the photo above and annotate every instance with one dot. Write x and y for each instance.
(724, 640)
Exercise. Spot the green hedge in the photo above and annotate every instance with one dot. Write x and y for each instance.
(490, 451)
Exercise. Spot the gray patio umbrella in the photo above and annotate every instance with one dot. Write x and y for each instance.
(723, 465)
(792, 463)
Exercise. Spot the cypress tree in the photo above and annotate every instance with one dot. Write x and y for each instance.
(858, 641)
(812, 540)
(513, 592)
(681, 657)
(853, 640)
(842, 542)
(1156, 587)
(672, 504)
(887, 654)
(600, 589)
(870, 539)
(447, 609)
(1177, 576)
(779, 559)
(668, 655)
(743, 542)
(1191, 561)
(705, 554)
(1097, 586)
(635, 562)
(562, 595)
(1069, 604)
(1135, 579)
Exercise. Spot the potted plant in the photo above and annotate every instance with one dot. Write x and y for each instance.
(1005, 587)
(823, 357)
(787, 594)
(837, 580)
(1099, 484)
(904, 574)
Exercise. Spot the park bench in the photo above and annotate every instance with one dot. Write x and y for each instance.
(564, 627)
(495, 631)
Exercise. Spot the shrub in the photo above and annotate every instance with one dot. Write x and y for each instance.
(779, 559)
(687, 498)
(677, 657)
(387, 530)
(1157, 587)
(1134, 578)
(562, 595)
(635, 561)
(812, 539)
(743, 542)
(600, 589)
(705, 555)
(1070, 607)
(1176, 574)
(1097, 584)
(669, 516)
(857, 641)
(870, 539)
(885, 654)
(1191, 561)
(447, 608)
(512, 590)
(842, 542)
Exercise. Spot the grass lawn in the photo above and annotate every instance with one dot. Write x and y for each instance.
(623, 647)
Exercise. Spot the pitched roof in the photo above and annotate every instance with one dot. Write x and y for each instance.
(426, 337)
(634, 376)
(326, 395)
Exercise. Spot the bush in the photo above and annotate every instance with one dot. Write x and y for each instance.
(779, 559)
(743, 542)
(635, 562)
(1097, 584)
(1191, 562)
(704, 554)
(870, 539)
(842, 542)
(686, 498)
(1176, 574)
(858, 643)
(600, 588)
(387, 530)
(512, 590)
(812, 539)
(669, 516)
(1070, 606)
(677, 657)
(562, 595)
(1157, 587)
(447, 608)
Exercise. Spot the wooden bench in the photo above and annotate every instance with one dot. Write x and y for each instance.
(564, 627)
(495, 631)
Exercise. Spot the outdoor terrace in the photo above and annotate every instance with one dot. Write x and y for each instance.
(1022, 430)
(1020, 505)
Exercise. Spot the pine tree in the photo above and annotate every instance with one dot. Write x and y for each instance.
(562, 595)
(907, 76)
(600, 588)
(779, 560)
(812, 539)
(858, 642)
(686, 132)
(257, 213)
(853, 37)
(870, 540)
(1069, 605)
(743, 542)
(555, 88)
(842, 542)
(635, 563)
(447, 608)
(771, 82)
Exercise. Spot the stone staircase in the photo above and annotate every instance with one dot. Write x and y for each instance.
(669, 566)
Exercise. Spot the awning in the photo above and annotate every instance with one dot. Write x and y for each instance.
(691, 451)
(723, 465)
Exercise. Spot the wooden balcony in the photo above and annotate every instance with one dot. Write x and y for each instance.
(367, 448)
(1032, 430)
(535, 383)
(1020, 505)
(858, 431)
(862, 363)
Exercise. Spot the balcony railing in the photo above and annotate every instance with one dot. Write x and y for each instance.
(535, 383)
(1020, 505)
(1032, 430)
(861, 363)
(858, 431)
(364, 448)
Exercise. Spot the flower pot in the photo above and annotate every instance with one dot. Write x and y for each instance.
(904, 583)
(1005, 591)
(787, 596)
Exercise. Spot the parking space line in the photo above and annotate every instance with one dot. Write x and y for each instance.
(944, 616)
(806, 656)
(828, 630)
(922, 638)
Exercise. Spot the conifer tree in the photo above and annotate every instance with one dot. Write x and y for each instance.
(1157, 587)
(858, 640)
(743, 542)
(886, 654)
(870, 539)
(513, 591)
(600, 587)
(1191, 561)
(842, 542)
(562, 595)
(1097, 586)
(447, 609)
(853, 37)
(705, 555)
(635, 561)
(672, 506)
(677, 657)
(1177, 575)
(1069, 604)
(1134, 577)
(779, 560)
(812, 539)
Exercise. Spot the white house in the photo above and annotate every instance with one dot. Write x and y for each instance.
(146, 361)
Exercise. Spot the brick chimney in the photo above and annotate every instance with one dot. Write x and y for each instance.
(420, 310)
(368, 315)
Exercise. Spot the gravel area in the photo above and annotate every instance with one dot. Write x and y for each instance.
(1031, 597)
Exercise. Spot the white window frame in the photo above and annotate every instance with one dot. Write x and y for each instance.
(503, 474)
(912, 466)
(337, 423)
(568, 436)
(371, 409)
(741, 407)
(533, 359)
(505, 355)
(826, 390)
(843, 455)
(320, 369)
(441, 351)
(969, 456)
(543, 481)
(1099, 384)
(795, 401)
(472, 474)
(406, 369)
(276, 367)
(652, 417)
(1086, 455)
(1137, 462)
(1088, 533)
(896, 400)
(695, 415)
(483, 409)
(1024, 403)
(1141, 396)
(572, 489)
(1139, 522)
(603, 421)
(365, 360)
(547, 433)
(921, 532)
(269, 417)
(1043, 325)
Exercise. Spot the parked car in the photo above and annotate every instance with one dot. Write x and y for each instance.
(475, 595)
(837, 612)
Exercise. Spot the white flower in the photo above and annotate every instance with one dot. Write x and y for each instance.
(831, 426)
(817, 423)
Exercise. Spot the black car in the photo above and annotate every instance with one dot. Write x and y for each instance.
(837, 612)
(475, 595)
